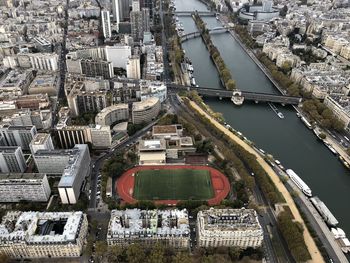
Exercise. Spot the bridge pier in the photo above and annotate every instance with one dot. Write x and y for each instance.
(237, 97)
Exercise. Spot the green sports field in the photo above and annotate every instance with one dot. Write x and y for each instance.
(184, 184)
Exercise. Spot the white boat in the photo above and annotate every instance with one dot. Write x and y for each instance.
(299, 182)
(306, 122)
(346, 164)
(275, 110)
(317, 133)
(193, 82)
(277, 162)
(298, 115)
(327, 215)
(340, 238)
(331, 148)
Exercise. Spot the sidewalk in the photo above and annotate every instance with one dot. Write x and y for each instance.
(313, 250)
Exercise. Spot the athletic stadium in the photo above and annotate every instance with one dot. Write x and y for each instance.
(168, 184)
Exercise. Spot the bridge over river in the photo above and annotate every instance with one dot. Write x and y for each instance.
(215, 30)
(245, 95)
(190, 13)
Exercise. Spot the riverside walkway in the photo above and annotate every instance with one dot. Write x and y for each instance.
(310, 243)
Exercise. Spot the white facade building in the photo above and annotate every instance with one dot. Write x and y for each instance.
(118, 55)
(133, 68)
(169, 227)
(44, 61)
(145, 111)
(106, 24)
(16, 187)
(55, 161)
(74, 174)
(18, 135)
(43, 234)
(229, 227)
(12, 160)
(112, 114)
(100, 136)
(41, 141)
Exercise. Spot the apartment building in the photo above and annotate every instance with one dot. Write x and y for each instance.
(43, 234)
(16, 187)
(12, 159)
(229, 228)
(145, 111)
(112, 114)
(18, 135)
(169, 227)
(74, 174)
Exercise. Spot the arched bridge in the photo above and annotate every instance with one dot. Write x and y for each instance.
(215, 30)
(246, 95)
(190, 13)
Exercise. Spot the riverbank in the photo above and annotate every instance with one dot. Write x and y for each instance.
(312, 248)
(334, 143)
(224, 74)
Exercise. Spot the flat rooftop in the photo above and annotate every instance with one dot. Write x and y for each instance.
(21, 176)
(40, 138)
(75, 162)
(8, 149)
(21, 128)
(56, 152)
(145, 104)
(152, 145)
(43, 81)
(160, 129)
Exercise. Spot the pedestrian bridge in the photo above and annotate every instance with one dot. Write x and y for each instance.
(190, 13)
(235, 95)
(215, 30)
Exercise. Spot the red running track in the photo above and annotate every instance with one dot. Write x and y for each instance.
(125, 183)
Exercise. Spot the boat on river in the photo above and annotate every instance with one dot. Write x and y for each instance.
(330, 148)
(317, 133)
(275, 110)
(327, 215)
(299, 182)
(305, 121)
(346, 164)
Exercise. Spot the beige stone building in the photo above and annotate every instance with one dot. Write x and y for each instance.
(43, 234)
(229, 227)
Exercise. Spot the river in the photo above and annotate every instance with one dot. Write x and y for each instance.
(288, 139)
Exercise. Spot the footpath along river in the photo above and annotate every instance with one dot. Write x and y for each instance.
(288, 139)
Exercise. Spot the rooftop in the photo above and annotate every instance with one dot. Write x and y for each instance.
(228, 219)
(40, 227)
(9, 149)
(145, 104)
(43, 81)
(21, 176)
(146, 223)
(159, 129)
(40, 138)
(57, 152)
(152, 145)
(75, 162)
